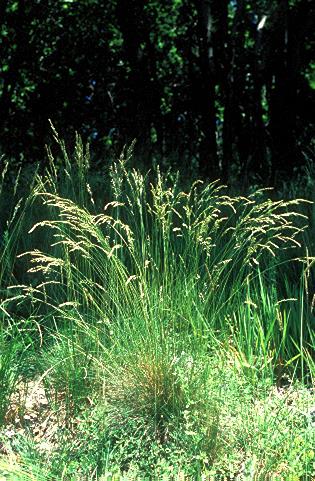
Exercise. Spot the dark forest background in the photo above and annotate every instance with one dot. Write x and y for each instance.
(221, 88)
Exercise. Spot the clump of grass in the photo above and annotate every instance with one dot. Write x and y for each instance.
(155, 242)
(163, 323)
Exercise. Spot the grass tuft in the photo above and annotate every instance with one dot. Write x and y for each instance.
(171, 330)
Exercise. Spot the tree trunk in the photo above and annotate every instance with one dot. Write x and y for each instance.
(283, 93)
(234, 89)
(130, 18)
(205, 96)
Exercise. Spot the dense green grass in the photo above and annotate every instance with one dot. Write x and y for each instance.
(171, 331)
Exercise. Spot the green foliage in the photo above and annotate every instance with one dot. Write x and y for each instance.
(186, 71)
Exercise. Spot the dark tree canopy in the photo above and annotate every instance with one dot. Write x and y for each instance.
(223, 86)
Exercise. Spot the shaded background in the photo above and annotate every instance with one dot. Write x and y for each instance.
(215, 87)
